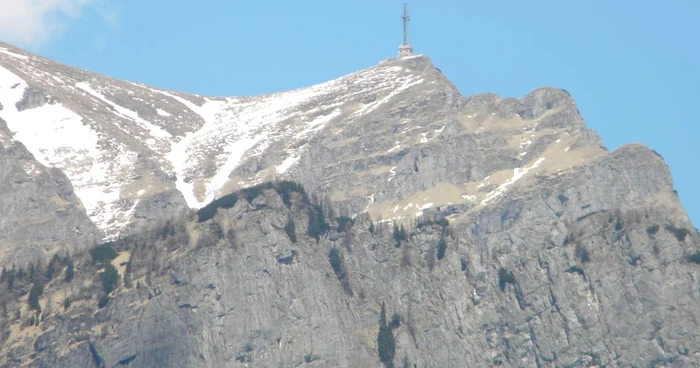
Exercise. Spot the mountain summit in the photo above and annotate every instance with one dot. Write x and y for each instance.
(499, 230)
(135, 153)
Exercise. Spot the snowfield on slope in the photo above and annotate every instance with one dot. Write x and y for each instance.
(58, 137)
(88, 144)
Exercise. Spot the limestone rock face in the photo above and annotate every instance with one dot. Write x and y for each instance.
(528, 243)
(40, 212)
(553, 276)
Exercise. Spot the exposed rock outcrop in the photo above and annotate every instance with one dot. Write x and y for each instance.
(40, 212)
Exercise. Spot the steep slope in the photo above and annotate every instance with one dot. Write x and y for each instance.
(524, 286)
(40, 212)
(122, 143)
(526, 243)
(394, 134)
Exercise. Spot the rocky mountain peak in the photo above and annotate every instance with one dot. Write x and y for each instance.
(494, 231)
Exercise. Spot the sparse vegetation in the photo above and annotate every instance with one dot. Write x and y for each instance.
(568, 239)
(283, 188)
(104, 300)
(576, 269)
(386, 346)
(335, 258)
(634, 259)
(103, 253)
(618, 224)
(34, 294)
(97, 359)
(505, 277)
(694, 257)
(209, 211)
(317, 222)
(679, 233)
(52, 267)
(344, 223)
(442, 247)
(290, 229)
(406, 363)
(395, 320)
(399, 235)
(127, 272)
(582, 254)
(442, 222)
(110, 278)
(70, 271)
(371, 228)
(653, 229)
(430, 258)
(66, 303)
(562, 198)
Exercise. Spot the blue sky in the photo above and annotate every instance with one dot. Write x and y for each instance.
(632, 67)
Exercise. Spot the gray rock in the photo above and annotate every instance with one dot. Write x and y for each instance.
(558, 253)
(610, 293)
(33, 98)
(40, 212)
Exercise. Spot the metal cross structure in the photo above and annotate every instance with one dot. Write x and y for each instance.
(405, 50)
(405, 24)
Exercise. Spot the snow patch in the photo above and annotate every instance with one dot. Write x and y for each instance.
(287, 163)
(395, 148)
(58, 137)
(163, 113)
(407, 82)
(392, 171)
(10, 53)
(517, 174)
(155, 131)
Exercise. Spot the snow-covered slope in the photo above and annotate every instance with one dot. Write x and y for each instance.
(121, 142)
(396, 140)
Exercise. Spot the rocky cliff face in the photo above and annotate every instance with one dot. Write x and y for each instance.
(527, 243)
(385, 136)
(554, 278)
(40, 212)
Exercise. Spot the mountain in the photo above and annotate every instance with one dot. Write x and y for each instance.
(370, 141)
(498, 230)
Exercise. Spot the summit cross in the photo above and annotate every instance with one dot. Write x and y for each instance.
(405, 49)
(406, 19)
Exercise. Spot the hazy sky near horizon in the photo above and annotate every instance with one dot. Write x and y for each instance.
(633, 68)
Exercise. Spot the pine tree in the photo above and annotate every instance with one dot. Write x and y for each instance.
(110, 278)
(69, 271)
(386, 346)
(33, 298)
(442, 247)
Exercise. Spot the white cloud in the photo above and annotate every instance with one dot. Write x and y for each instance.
(31, 23)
